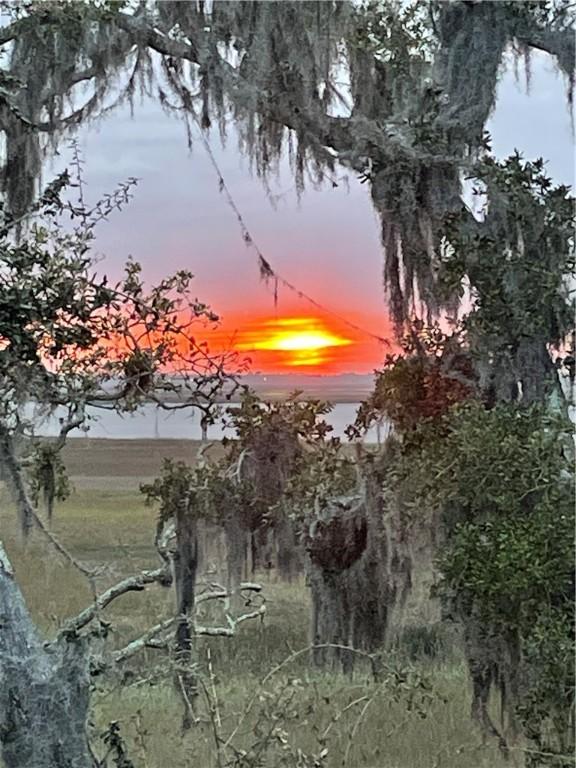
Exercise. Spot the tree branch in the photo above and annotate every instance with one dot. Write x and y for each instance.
(131, 584)
(152, 638)
(559, 43)
(142, 642)
(233, 623)
(329, 131)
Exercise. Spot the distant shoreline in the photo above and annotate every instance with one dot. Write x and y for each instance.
(341, 388)
(122, 464)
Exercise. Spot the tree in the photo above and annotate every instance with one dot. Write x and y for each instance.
(69, 341)
(422, 86)
(484, 455)
(273, 443)
(496, 483)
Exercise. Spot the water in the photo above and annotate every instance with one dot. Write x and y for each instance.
(152, 422)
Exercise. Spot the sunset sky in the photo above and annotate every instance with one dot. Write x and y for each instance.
(327, 244)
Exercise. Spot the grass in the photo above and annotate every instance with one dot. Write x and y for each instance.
(401, 725)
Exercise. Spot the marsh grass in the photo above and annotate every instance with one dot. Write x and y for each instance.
(389, 727)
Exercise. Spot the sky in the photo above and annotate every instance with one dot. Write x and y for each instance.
(326, 243)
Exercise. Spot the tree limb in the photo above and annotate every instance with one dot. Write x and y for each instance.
(233, 623)
(556, 42)
(137, 645)
(152, 638)
(131, 584)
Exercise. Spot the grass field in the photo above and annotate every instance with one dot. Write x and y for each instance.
(361, 723)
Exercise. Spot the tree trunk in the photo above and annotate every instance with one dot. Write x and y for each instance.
(237, 540)
(185, 568)
(288, 554)
(535, 370)
(360, 572)
(331, 618)
(261, 545)
(44, 689)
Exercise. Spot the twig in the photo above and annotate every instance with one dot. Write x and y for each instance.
(284, 663)
(214, 717)
(213, 683)
(187, 701)
(338, 715)
(355, 728)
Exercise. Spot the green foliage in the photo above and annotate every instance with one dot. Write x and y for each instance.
(71, 340)
(432, 373)
(279, 464)
(68, 337)
(504, 480)
(546, 708)
(517, 261)
(395, 33)
(171, 490)
(299, 418)
(479, 442)
(323, 473)
(209, 490)
(282, 452)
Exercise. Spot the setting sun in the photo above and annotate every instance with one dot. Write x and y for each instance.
(308, 344)
(301, 341)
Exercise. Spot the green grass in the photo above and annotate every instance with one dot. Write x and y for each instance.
(390, 727)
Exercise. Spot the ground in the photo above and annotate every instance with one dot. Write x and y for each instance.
(396, 723)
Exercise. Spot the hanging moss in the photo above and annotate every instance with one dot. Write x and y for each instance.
(47, 477)
(362, 567)
(422, 86)
(338, 539)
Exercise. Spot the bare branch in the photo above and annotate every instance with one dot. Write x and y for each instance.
(144, 641)
(288, 660)
(131, 584)
(152, 638)
(230, 630)
(74, 422)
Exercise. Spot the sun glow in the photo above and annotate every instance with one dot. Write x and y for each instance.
(301, 341)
